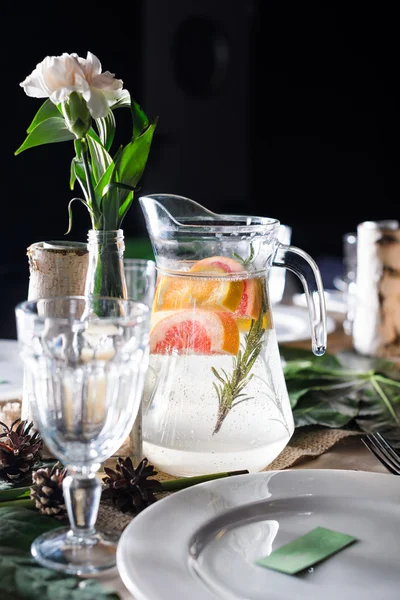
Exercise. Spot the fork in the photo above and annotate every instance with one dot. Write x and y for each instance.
(384, 451)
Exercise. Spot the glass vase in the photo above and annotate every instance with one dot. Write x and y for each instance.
(105, 275)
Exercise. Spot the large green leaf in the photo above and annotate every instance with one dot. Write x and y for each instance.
(298, 355)
(50, 131)
(106, 128)
(123, 209)
(20, 526)
(102, 186)
(374, 415)
(46, 111)
(326, 408)
(132, 160)
(337, 392)
(140, 120)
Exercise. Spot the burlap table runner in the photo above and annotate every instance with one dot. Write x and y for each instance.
(305, 442)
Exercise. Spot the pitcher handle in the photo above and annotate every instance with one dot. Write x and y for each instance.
(306, 269)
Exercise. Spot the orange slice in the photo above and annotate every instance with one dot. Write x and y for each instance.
(194, 332)
(245, 323)
(251, 300)
(174, 293)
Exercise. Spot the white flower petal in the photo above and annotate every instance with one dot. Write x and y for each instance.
(106, 81)
(93, 66)
(96, 103)
(54, 74)
(57, 77)
(112, 96)
(33, 87)
(61, 94)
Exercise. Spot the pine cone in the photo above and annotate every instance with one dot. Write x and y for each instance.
(20, 450)
(128, 488)
(47, 491)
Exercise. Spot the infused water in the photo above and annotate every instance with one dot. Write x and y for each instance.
(215, 397)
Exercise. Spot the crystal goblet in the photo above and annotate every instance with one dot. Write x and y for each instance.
(85, 361)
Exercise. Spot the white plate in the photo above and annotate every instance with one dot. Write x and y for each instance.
(335, 301)
(11, 371)
(201, 543)
(292, 323)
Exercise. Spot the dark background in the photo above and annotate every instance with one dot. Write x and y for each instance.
(280, 109)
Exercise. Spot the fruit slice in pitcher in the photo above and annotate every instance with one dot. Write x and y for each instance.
(174, 293)
(250, 303)
(194, 332)
(217, 265)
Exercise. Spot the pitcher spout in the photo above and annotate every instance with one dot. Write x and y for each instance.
(182, 230)
(166, 212)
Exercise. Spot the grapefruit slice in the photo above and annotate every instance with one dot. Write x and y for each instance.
(243, 297)
(217, 265)
(174, 293)
(194, 332)
(251, 301)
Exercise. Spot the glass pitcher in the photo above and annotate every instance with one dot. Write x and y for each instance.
(215, 397)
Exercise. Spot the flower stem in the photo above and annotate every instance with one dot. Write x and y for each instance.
(89, 182)
(184, 482)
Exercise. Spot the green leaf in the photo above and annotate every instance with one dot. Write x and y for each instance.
(123, 209)
(347, 392)
(375, 415)
(103, 185)
(78, 173)
(70, 212)
(91, 133)
(20, 526)
(298, 354)
(325, 408)
(12, 493)
(51, 131)
(133, 158)
(100, 158)
(46, 111)
(140, 120)
(106, 127)
(22, 578)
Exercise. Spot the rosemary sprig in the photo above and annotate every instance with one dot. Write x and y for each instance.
(245, 261)
(230, 389)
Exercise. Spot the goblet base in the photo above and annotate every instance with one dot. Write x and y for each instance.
(59, 549)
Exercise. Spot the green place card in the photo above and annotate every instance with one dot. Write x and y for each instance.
(306, 551)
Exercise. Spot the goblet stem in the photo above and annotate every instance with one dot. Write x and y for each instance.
(82, 493)
(79, 548)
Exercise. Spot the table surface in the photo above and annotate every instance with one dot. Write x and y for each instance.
(349, 453)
